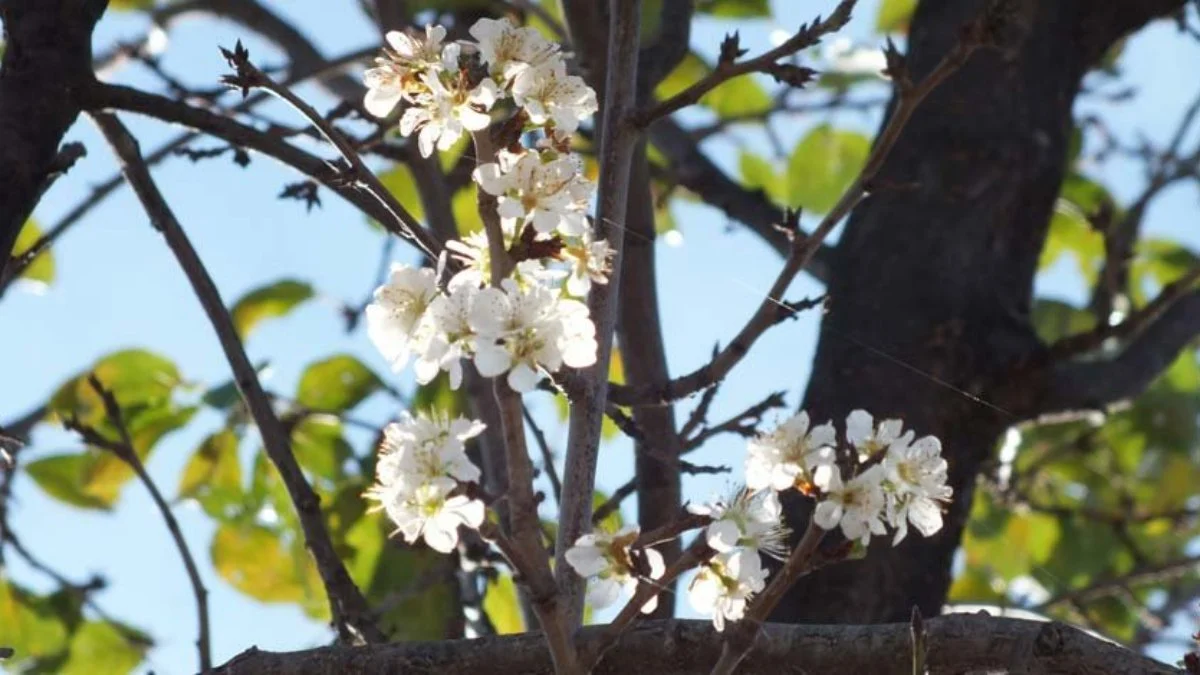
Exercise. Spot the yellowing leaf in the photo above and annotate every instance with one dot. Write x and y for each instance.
(27, 626)
(62, 477)
(268, 302)
(255, 561)
(894, 15)
(213, 476)
(503, 606)
(99, 647)
(400, 182)
(736, 97)
(41, 269)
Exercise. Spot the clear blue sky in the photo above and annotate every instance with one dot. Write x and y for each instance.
(118, 286)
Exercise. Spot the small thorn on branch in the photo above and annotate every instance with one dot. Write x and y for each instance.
(731, 49)
(305, 191)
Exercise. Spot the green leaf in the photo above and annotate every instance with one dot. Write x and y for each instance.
(611, 523)
(437, 396)
(136, 377)
(894, 16)
(41, 269)
(256, 562)
(62, 477)
(1055, 320)
(503, 606)
(400, 182)
(213, 476)
(336, 384)
(466, 210)
(822, 166)
(129, 5)
(100, 647)
(737, 97)
(1025, 540)
(735, 9)
(28, 625)
(759, 174)
(106, 474)
(320, 447)
(268, 302)
(1071, 234)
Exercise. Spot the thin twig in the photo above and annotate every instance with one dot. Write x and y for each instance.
(351, 615)
(249, 76)
(547, 456)
(124, 450)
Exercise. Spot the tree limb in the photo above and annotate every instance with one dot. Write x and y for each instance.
(351, 615)
(618, 139)
(957, 643)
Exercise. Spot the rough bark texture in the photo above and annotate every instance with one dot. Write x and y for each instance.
(936, 270)
(956, 644)
(47, 58)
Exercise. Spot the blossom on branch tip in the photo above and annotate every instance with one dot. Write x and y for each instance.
(608, 560)
(916, 476)
(591, 262)
(443, 114)
(550, 96)
(430, 512)
(869, 439)
(725, 584)
(788, 456)
(396, 73)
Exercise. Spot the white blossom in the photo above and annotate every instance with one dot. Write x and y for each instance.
(549, 95)
(417, 450)
(916, 477)
(442, 114)
(868, 439)
(856, 505)
(607, 560)
(725, 584)
(548, 191)
(788, 456)
(396, 311)
(508, 50)
(591, 262)
(446, 335)
(396, 73)
(750, 520)
(527, 331)
(430, 512)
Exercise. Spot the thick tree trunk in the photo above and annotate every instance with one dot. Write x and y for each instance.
(47, 59)
(932, 281)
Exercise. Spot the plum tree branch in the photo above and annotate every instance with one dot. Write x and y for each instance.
(352, 616)
(957, 643)
(618, 139)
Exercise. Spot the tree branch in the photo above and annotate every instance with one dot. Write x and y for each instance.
(957, 643)
(351, 615)
(617, 141)
(1094, 385)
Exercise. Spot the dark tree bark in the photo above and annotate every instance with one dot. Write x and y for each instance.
(47, 60)
(934, 272)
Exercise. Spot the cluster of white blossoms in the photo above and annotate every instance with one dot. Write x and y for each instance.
(901, 482)
(534, 322)
(421, 471)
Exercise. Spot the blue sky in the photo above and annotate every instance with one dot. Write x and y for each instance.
(118, 287)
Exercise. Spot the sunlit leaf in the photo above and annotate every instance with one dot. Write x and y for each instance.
(1055, 320)
(100, 647)
(734, 9)
(320, 446)
(611, 523)
(129, 5)
(503, 606)
(1071, 234)
(1025, 540)
(213, 475)
(256, 562)
(41, 269)
(737, 97)
(336, 384)
(822, 166)
(268, 302)
(894, 15)
(400, 182)
(106, 474)
(135, 377)
(62, 477)
(438, 396)
(466, 210)
(28, 625)
(759, 174)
